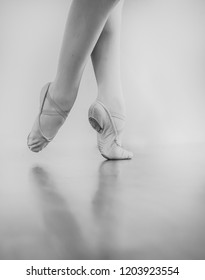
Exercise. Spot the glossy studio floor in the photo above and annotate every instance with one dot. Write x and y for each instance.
(68, 202)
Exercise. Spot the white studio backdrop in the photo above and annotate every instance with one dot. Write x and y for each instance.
(163, 67)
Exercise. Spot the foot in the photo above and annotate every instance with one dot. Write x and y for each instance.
(109, 126)
(49, 120)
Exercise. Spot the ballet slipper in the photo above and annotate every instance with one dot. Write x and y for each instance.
(39, 140)
(109, 126)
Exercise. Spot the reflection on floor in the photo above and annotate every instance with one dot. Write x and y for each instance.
(55, 206)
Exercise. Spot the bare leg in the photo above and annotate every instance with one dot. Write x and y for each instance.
(84, 25)
(85, 22)
(106, 63)
(107, 114)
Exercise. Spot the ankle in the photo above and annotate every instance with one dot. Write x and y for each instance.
(62, 96)
(112, 97)
(113, 103)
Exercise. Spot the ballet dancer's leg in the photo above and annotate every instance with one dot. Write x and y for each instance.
(84, 25)
(107, 115)
(106, 63)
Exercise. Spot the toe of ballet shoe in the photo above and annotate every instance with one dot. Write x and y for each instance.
(36, 145)
(37, 148)
(34, 149)
(127, 154)
(118, 153)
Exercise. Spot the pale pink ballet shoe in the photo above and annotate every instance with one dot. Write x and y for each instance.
(40, 140)
(108, 133)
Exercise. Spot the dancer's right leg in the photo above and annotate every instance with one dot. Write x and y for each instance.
(85, 22)
(107, 113)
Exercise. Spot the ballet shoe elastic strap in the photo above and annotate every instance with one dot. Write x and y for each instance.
(118, 116)
(57, 107)
(59, 111)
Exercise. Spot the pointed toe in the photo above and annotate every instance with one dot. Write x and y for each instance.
(37, 140)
